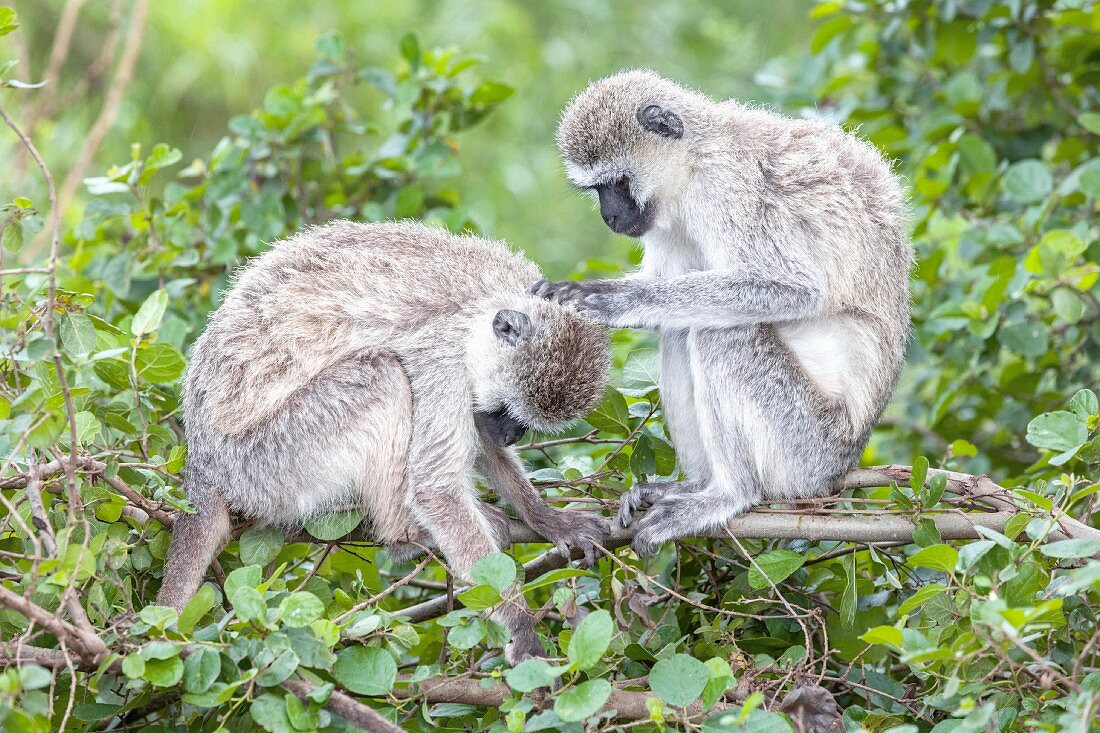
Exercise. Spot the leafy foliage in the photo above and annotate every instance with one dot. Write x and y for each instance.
(991, 109)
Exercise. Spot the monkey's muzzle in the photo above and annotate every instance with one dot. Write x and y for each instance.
(500, 427)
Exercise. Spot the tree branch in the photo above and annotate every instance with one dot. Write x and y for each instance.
(346, 707)
(625, 703)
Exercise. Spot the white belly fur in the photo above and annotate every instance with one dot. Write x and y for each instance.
(837, 357)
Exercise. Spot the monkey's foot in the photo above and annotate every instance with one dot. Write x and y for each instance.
(571, 530)
(685, 514)
(642, 496)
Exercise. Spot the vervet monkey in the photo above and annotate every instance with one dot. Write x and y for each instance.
(775, 268)
(378, 367)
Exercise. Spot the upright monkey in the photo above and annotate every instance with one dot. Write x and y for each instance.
(776, 265)
(377, 367)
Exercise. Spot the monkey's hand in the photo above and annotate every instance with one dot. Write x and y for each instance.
(597, 299)
(571, 530)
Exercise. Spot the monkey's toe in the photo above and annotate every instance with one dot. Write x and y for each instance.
(640, 498)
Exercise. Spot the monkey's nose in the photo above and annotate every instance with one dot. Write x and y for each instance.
(611, 220)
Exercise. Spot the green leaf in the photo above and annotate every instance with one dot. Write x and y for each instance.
(849, 599)
(886, 635)
(201, 670)
(584, 700)
(591, 639)
(365, 670)
(244, 577)
(333, 526)
(924, 594)
(7, 21)
(678, 680)
(719, 680)
(300, 609)
(1028, 181)
(1090, 121)
(410, 49)
(925, 533)
(976, 155)
(554, 576)
(612, 415)
(642, 369)
(77, 334)
(936, 557)
(1058, 431)
(197, 608)
(776, 565)
(159, 363)
(260, 545)
(278, 670)
(133, 666)
(249, 605)
(919, 475)
(1071, 549)
(150, 314)
(829, 30)
(530, 674)
(479, 597)
(269, 712)
(467, 634)
(497, 570)
(1084, 404)
(163, 672)
(159, 617)
(301, 717)
(491, 92)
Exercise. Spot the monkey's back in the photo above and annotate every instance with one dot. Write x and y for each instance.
(331, 291)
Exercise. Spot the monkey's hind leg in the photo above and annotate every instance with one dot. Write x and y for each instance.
(196, 541)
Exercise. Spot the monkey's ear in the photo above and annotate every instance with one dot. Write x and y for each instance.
(511, 327)
(665, 123)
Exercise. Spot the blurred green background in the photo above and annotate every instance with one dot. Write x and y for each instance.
(204, 61)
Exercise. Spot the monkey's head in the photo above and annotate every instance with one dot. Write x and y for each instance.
(628, 138)
(536, 365)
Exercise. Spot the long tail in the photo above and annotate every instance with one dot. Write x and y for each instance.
(196, 541)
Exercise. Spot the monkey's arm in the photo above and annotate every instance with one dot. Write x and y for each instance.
(504, 473)
(444, 500)
(703, 299)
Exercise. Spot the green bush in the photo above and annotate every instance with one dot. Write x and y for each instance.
(992, 111)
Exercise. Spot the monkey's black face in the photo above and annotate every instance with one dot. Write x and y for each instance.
(621, 212)
(500, 427)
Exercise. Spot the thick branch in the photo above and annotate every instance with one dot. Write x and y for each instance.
(346, 707)
(626, 704)
(774, 525)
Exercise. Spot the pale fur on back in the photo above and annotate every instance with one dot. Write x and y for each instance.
(333, 324)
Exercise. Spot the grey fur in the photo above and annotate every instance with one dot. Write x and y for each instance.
(345, 369)
(776, 269)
